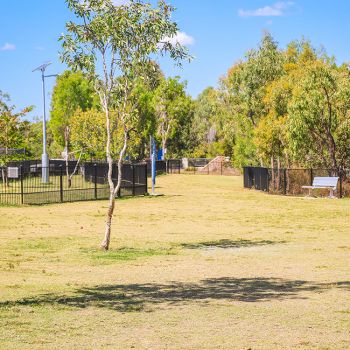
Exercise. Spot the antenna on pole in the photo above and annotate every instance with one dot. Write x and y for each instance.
(42, 67)
(45, 162)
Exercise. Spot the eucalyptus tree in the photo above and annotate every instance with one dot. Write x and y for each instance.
(113, 45)
(244, 89)
(319, 116)
(173, 107)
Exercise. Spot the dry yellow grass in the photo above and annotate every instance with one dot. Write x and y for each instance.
(207, 266)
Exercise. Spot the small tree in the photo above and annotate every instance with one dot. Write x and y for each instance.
(171, 105)
(72, 91)
(113, 45)
(12, 130)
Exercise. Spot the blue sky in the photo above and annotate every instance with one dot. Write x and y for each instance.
(218, 33)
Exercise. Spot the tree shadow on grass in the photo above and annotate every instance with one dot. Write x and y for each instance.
(148, 296)
(229, 244)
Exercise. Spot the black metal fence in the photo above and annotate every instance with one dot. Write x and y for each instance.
(24, 185)
(257, 178)
(198, 162)
(198, 166)
(174, 166)
(169, 166)
(291, 181)
(212, 168)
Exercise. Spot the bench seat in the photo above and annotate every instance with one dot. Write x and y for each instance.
(328, 183)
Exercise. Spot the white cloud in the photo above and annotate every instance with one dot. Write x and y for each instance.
(119, 2)
(182, 38)
(8, 47)
(275, 10)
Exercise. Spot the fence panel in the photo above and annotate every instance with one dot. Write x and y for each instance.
(291, 181)
(174, 166)
(21, 185)
(256, 177)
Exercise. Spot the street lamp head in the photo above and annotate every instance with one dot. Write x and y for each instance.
(42, 67)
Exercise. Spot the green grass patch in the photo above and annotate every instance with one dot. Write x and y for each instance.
(100, 257)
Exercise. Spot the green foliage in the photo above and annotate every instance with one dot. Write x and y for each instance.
(212, 128)
(88, 133)
(319, 116)
(122, 39)
(72, 91)
(291, 106)
(244, 89)
(12, 128)
(174, 110)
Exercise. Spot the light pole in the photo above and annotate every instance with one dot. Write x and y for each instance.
(45, 164)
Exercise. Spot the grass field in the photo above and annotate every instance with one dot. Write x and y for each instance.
(207, 266)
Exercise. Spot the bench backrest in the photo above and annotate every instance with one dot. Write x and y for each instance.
(325, 182)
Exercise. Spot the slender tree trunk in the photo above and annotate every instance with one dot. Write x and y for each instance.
(4, 177)
(287, 173)
(113, 189)
(111, 206)
(164, 142)
(5, 173)
(107, 237)
(272, 173)
(332, 153)
(75, 168)
(278, 185)
(66, 140)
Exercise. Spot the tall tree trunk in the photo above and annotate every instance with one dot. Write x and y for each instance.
(164, 141)
(66, 140)
(111, 206)
(113, 190)
(278, 185)
(273, 173)
(4, 177)
(107, 237)
(332, 153)
(287, 173)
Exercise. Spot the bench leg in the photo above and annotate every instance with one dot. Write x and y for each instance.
(331, 193)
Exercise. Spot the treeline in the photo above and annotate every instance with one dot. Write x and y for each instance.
(278, 108)
(284, 108)
(78, 125)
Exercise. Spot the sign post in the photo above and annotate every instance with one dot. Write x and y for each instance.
(153, 163)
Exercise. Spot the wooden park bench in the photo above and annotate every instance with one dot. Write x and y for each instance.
(329, 183)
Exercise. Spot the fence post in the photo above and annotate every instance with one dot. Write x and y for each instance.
(119, 194)
(285, 182)
(340, 186)
(22, 195)
(311, 176)
(146, 179)
(61, 183)
(221, 167)
(95, 180)
(133, 179)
